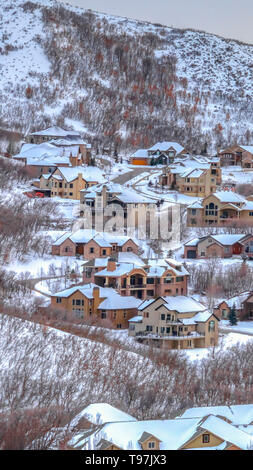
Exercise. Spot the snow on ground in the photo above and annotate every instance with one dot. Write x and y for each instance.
(40, 266)
(235, 174)
(225, 341)
(241, 327)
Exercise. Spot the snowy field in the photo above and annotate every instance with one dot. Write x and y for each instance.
(234, 174)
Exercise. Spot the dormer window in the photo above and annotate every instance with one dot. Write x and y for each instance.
(151, 445)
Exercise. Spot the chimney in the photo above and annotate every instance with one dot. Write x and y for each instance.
(111, 265)
(96, 297)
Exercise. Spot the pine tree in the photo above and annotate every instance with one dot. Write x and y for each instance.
(232, 316)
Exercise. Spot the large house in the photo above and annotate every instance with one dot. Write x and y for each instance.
(175, 323)
(46, 151)
(161, 153)
(195, 177)
(103, 427)
(139, 278)
(107, 201)
(51, 133)
(237, 155)
(219, 209)
(90, 244)
(91, 302)
(68, 182)
(222, 245)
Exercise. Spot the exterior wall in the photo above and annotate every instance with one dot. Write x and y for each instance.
(130, 244)
(215, 251)
(197, 442)
(145, 445)
(67, 190)
(119, 318)
(97, 250)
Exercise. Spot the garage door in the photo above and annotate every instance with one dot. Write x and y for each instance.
(191, 254)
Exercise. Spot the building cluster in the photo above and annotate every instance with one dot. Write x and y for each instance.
(120, 288)
(101, 426)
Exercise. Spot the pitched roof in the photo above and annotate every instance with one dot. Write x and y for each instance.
(237, 414)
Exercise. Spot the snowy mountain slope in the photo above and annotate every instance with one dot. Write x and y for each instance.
(126, 83)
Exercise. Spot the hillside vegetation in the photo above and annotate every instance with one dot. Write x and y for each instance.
(125, 84)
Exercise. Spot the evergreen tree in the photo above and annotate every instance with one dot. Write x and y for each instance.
(232, 316)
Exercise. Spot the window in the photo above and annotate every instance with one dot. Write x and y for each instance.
(71, 194)
(162, 329)
(211, 326)
(103, 252)
(149, 328)
(251, 214)
(168, 330)
(119, 326)
(205, 438)
(91, 250)
(58, 300)
(114, 314)
(103, 314)
(194, 211)
(162, 316)
(202, 253)
(71, 185)
(151, 445)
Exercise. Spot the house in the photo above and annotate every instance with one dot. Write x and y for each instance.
(140, 278)
(222, 246)
(123, 433)
(195, 176)
(54, 132)
(44, 157)
(243, 304)
(91, 302)
(220, 209)
(91, 244)
(160, 153)
(237, 155)
(107, 201)
(68, 182)
(174, 323)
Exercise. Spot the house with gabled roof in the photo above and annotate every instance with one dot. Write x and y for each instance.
(222, 208)
(193, 433)
(174, 323)
(194, 176)
(91, 302)
(142, 278)
(237, 155)
(222, 245)
(160, 153)
(67, 182)
(91, 244)
(242, 303)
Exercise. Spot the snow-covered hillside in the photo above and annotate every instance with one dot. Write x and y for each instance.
(126, 83)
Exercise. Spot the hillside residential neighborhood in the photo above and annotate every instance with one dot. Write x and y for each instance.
(126, 233)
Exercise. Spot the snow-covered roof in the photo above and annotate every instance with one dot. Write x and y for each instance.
(141, 153)
(164, 146)
(229, 196)
(117, 301)
(172, 434)
(136, 319)
(86, 290)
(100, 413)
(236, 301)
(89, 173)
(227, 432)
(228, 239)
(183, 304)
(102, 238)
(193, 242)
(56, 131)
(248, 148)
(237, 414)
